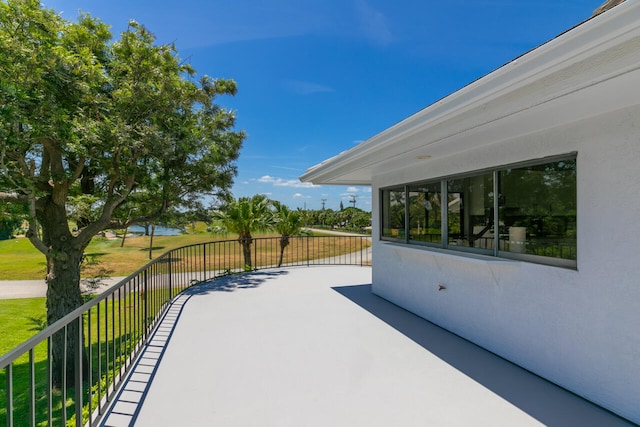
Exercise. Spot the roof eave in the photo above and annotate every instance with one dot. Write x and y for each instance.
(586, 40)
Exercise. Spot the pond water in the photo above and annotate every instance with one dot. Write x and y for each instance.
(160, 230)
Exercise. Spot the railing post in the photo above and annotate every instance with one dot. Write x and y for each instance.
(32, 389)
(170, 272)
(78, 373)
(307, 241)
(9, 394)
(204, 262)
(146, 304)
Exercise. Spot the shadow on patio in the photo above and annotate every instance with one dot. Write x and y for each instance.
(544, 401)
(313, 346)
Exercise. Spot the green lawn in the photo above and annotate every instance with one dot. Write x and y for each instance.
(121, 329)
(19, 260)
(17, 320)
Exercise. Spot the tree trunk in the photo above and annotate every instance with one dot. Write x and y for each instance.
(63, 289)
(284, 242)
(64, 296)
(153, 231)
(124, 236)
(246, 250)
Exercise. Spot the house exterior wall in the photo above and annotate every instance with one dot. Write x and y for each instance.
(579, 328)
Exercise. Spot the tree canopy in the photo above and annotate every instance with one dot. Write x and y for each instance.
(87, 123)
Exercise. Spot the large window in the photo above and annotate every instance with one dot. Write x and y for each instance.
(533, 216)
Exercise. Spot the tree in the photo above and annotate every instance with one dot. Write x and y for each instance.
(86, 118)
(356, 218)
(287, 223)
(11, 217)
(243, 217)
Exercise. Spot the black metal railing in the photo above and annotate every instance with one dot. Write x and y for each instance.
(101, 339)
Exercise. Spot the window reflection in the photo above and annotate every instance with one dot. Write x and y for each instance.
(470, 212)
(537, 208)
(393, 214)
(425, 213)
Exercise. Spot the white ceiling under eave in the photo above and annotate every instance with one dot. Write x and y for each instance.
(591, 70)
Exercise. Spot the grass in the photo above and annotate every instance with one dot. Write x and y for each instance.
(121, 329)
(19, 260)
(16, 320)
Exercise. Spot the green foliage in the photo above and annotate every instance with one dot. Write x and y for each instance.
(245, 215)
(11, 217)
(287, 222)
(101, 132)
(350, 218)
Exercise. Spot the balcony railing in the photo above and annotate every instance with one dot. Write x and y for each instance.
(102, 338)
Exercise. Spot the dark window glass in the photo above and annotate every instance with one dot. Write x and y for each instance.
(470, 212)
(393, 207)
(538, 210)
(425, 213)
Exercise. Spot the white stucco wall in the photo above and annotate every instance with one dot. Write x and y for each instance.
(578, 328)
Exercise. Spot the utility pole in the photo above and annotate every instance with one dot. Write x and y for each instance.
(323, 202)
(353, 200)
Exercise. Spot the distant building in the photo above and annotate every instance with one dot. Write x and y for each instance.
(509, 211)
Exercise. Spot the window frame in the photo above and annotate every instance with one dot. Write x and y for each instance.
(495, 251)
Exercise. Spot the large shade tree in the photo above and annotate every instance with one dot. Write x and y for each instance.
(86, 121)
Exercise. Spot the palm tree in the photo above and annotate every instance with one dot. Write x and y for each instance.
(244, 216)
(287, 223)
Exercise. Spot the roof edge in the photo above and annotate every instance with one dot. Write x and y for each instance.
(585, 40)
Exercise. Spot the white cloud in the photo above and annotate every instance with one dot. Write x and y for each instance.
(280, 182)
(300, 196)
(373, 24)
(306, 88)
(286, 168)
(352, 190)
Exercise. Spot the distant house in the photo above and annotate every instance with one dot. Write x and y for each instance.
(509, 211)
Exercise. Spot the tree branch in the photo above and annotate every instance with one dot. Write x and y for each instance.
(78, 170)
(13, 197)
(85, 235)
(32, 233)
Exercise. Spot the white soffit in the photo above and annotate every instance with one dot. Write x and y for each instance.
(590, 70)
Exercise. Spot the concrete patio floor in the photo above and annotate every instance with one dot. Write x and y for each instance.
(314, 347)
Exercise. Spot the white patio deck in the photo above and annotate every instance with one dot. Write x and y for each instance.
(313, 347)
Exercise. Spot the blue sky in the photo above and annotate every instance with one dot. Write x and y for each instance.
(316, 77)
